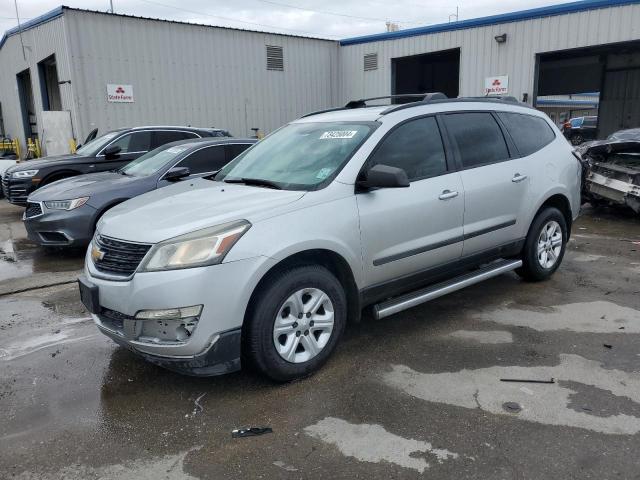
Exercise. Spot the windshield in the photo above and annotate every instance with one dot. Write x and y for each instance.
(299, 156)
(151, 162)
(94, 146)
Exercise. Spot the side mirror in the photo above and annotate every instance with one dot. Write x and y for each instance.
(176, 173)
(112, 151)
(384, 176)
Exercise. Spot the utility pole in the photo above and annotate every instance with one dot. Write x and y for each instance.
(24, 55)
(111, 6)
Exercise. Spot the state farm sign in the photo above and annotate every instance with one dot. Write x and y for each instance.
(119, 93)
(498, 85)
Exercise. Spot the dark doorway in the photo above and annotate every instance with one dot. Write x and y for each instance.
(27, 106)
(430, 72)
(49, 86)
(608, 73)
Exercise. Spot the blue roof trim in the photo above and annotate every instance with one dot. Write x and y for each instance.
(567, 102)
(34, 22)
(561, 9)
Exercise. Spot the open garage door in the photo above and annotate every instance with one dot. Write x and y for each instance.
(430, 72)
(601, 84)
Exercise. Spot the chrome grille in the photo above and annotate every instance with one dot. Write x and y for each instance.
(15, 194)
(33, 210)
(119, 257)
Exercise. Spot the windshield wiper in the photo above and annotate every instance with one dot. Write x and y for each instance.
(258, 182)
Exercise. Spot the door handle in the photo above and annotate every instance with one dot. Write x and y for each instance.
(447, 194)
(517, 178)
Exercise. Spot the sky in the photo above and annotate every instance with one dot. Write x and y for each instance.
(328, 19)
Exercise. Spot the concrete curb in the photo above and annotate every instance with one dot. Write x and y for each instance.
(37, 281)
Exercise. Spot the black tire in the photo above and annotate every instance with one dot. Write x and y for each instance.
(531, 269)
(577, 139)
(258, 347)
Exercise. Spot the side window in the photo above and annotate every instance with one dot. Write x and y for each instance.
(134, 142)
(416, 147)
(478, 138)
(160, 137)
(208, 159)
(529, 133)
(235, 149)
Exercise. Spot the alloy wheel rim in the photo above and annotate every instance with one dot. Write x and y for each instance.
(549, 244)
(303, 325)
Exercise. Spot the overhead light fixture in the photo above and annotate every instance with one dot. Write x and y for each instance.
(501, 38)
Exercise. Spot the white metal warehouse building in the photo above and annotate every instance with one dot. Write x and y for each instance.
(165, 72)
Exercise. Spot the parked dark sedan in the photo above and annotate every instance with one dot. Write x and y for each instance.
(108, 152)
(66, 212)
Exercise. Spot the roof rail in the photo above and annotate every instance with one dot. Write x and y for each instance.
(492, 99)
(424, 97)
(362, 103)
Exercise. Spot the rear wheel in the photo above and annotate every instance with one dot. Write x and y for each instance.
(577, 139)
(295, 322)
(545, 245)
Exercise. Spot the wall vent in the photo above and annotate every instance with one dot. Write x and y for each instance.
(370, 61)
(275, 59)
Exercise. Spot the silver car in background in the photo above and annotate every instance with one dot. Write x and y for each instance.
(379, 206)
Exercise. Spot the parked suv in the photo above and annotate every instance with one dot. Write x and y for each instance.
(108, 152)
(384, 206)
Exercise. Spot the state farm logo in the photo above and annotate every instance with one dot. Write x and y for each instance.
(496, 83)
(119, 93)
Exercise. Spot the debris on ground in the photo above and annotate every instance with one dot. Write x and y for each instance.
(606, 345)
(512, 407)
(250, 432)
(527, 380)
(284, 466)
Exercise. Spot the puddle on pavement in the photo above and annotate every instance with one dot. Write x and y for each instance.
(21, 258)
(550, 404)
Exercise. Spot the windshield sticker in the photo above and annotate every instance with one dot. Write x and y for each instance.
(177, 149)
(338, 134)
(324, 173)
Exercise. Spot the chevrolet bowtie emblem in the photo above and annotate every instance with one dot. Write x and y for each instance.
(96, 253)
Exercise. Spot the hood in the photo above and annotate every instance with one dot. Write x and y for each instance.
(83, 186)
(608, 147)
(192, 205)
(45, 162)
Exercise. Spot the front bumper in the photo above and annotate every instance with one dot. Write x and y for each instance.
(16, 190)
(62, 227)
(212, 348)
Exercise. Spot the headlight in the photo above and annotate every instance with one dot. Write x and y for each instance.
(24, 174)
(66, 204)
(197, 249)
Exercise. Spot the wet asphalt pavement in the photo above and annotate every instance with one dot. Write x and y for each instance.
(417, 395)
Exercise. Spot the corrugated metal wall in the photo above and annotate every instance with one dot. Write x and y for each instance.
(196, 75)
(481, 56)
(40, 43)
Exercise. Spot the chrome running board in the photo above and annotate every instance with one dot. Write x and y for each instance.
(409, 300)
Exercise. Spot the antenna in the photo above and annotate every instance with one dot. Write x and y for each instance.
(456, 15)
(24, 55)
(110, 6)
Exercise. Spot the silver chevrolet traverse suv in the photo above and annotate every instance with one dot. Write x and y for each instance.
(364, 206)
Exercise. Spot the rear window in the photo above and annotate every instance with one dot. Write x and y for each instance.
(477, 137)
(529, 133)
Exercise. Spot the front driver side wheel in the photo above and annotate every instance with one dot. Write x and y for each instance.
(545, 245)
(295, 322)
